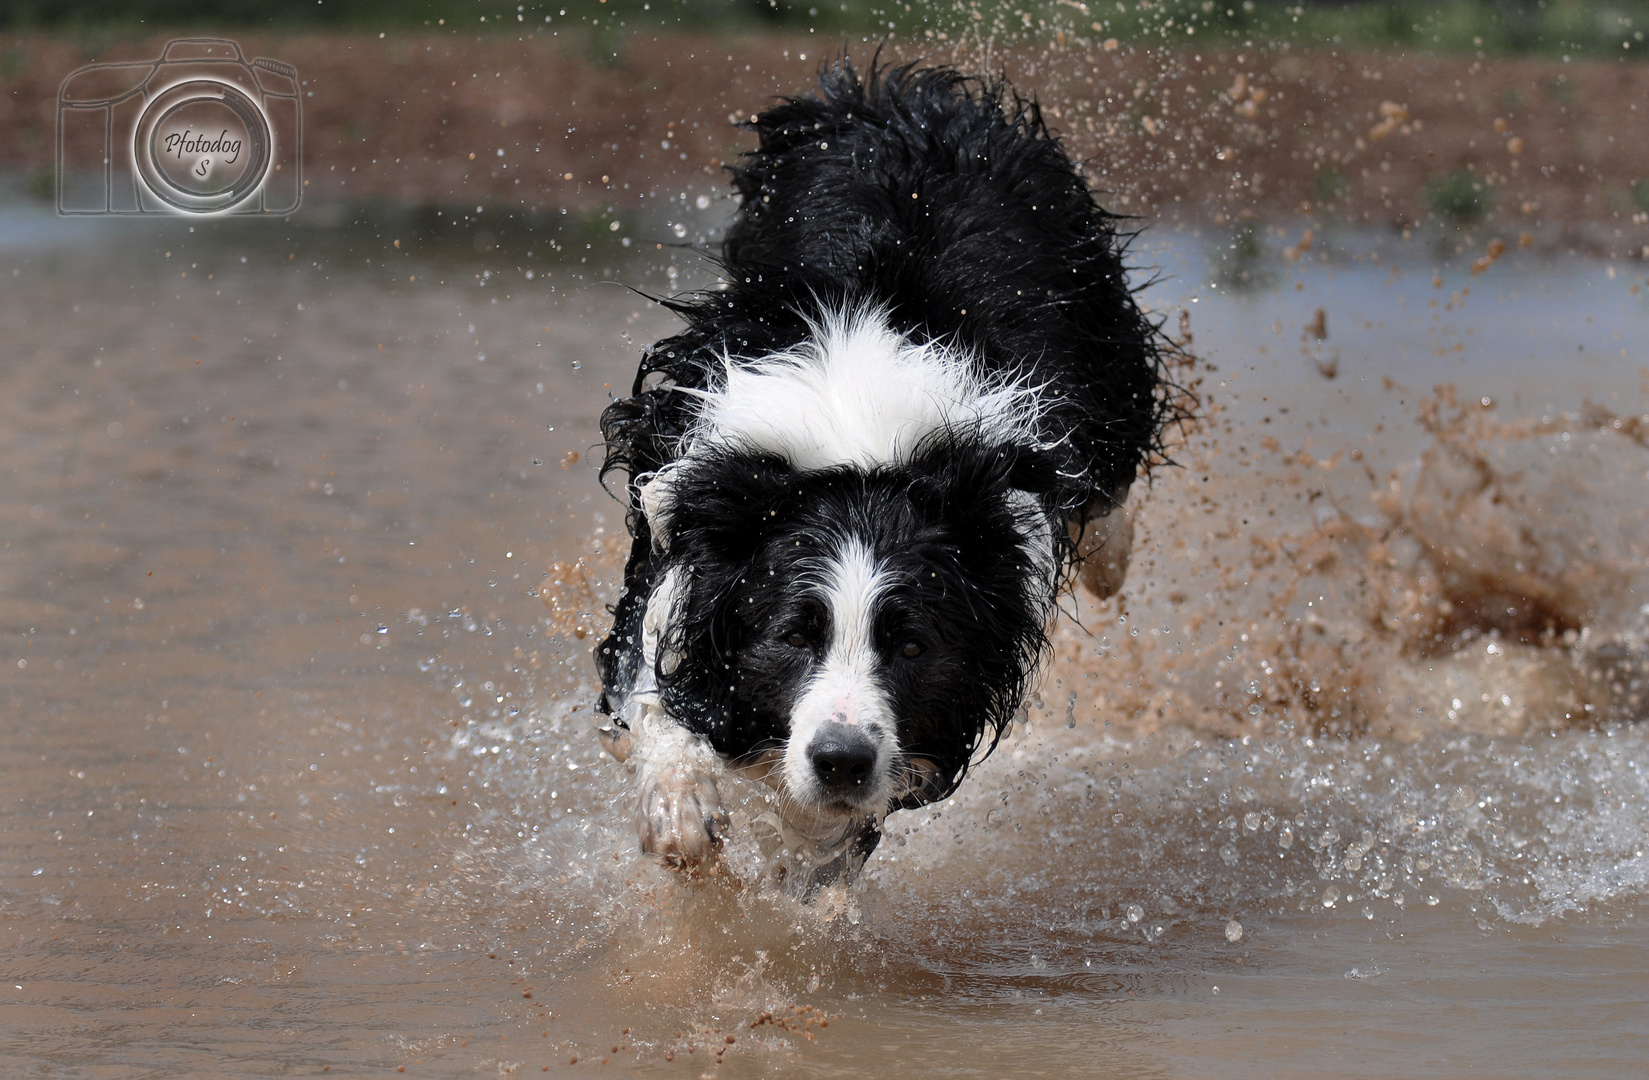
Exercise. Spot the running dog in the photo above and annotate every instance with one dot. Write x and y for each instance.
(860, 476)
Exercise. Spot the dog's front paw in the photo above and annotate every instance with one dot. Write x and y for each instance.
(680, 818)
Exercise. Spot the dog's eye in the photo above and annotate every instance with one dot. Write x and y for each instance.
(911, 650)
(796, 639)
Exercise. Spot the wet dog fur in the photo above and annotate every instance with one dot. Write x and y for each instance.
(860, 476)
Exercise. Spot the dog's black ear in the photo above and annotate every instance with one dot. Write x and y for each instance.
(717, 508)
(966, 480)
(714, 507)
(988, 506)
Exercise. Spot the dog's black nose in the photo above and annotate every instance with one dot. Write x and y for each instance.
(842, 757)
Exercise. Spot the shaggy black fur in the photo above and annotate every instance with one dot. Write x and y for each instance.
(946, 201)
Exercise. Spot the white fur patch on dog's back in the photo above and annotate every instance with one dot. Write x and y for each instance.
(858, 393)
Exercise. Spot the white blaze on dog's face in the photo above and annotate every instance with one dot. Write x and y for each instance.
(843, 739)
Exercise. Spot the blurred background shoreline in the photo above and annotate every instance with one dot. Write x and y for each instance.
(1484, 131)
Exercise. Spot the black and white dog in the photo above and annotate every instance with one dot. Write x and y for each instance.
(860, 476)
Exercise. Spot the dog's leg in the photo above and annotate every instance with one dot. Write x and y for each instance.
(678, 811)
(1105, 541)
(679, 816)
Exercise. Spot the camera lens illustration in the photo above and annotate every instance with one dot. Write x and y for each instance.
(198, 130)
(202, 146)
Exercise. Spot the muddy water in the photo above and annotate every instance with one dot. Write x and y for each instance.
(299, 776)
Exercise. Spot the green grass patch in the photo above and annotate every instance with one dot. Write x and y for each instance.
(42, 183)
(1329, 185)
(1458, 197)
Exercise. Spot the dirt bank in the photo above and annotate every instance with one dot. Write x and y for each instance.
(539, 123)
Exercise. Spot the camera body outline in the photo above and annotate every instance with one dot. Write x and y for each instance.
(110, 116)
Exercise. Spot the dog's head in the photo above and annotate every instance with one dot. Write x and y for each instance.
(853, 635)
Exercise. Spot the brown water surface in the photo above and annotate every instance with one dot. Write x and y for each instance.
(299, 777)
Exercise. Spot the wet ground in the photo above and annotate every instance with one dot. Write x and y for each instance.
(298, 776)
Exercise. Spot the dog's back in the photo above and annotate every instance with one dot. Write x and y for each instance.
(947, 203)
(932, 195)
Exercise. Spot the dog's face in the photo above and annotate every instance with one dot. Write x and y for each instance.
(851, 636)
